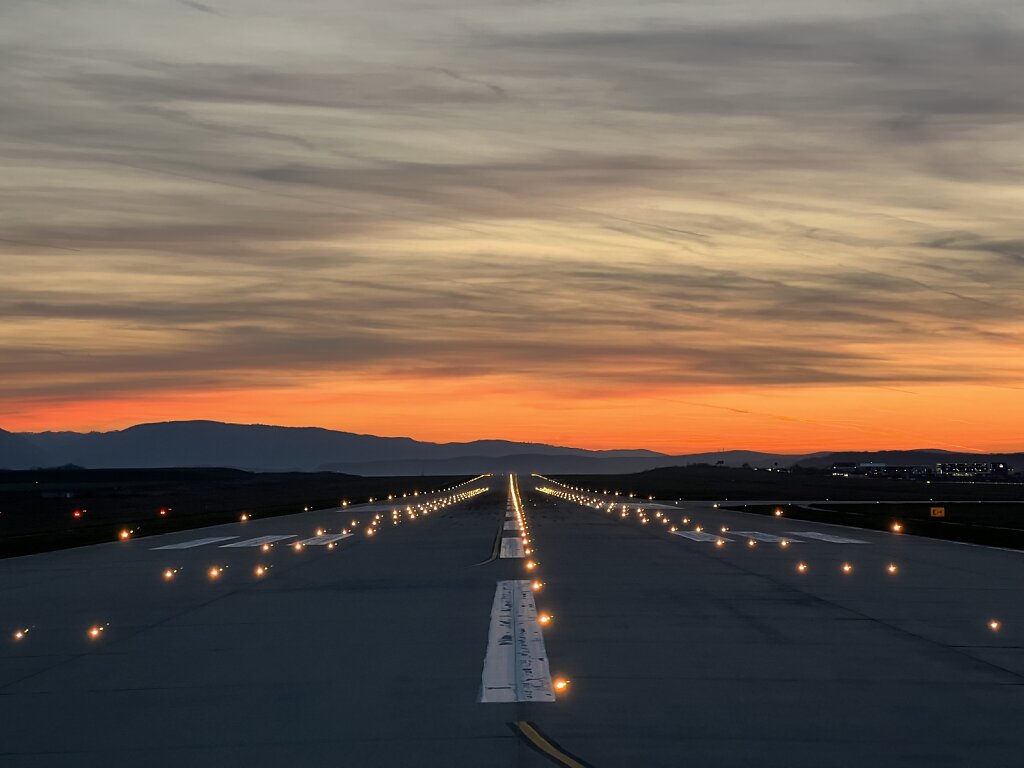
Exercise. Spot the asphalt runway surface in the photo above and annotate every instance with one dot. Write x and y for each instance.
(420, 645)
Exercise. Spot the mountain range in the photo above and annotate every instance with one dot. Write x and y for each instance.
(272, 448)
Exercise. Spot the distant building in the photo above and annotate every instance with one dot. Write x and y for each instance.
(878, 469)
(844, 468)
(973, 469)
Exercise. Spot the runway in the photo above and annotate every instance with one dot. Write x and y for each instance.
(494, 632)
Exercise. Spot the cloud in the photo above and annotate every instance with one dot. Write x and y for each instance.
(201, 7)
(730, 196)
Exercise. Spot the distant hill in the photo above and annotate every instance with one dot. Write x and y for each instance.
(261, 447)
(18, 452)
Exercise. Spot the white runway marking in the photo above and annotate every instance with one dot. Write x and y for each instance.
(770, 538)
(516, 664)
(701, 536)
(512, 548)
(327, 538)
(511, 525)
(259, 541)
(196, 542)
(825, 537)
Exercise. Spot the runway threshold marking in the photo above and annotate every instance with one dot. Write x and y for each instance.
(825, 537)
(769, 538)
(701, 536)
(532, 735)
(259, 541)
(516, 662)
(196, 542)
(326, 538)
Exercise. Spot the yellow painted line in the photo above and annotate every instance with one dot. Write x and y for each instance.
(541, 743)
(496, 549)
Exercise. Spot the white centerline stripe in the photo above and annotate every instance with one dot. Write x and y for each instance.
(511, 525)
(259, 541)
(512, 548)
(516, 664)
(196, 542)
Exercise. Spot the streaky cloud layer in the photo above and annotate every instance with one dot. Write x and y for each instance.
(786, 227)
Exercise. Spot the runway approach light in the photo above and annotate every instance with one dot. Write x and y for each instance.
(847, 568)
(994, 625)
(95, 632)
(802, 567)
(719, 542)
(169, 574)
(784, 543)
(897, 526)
(545, 618)
(124, 534)
(751, 543)
(261, 570)
(537, 586)
(778, 513)
(892, 568)
(561, 684)
(244, 517)
(530, 565)
(20, 633)
(215, 572)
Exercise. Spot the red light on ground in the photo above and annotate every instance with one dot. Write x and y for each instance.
(77, 514)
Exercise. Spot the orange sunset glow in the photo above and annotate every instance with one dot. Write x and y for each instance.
(599, 234)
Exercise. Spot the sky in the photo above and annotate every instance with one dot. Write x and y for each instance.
(685, 226)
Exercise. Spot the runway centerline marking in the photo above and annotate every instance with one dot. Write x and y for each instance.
(195, 542)
(512, 547)
(516, 663)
